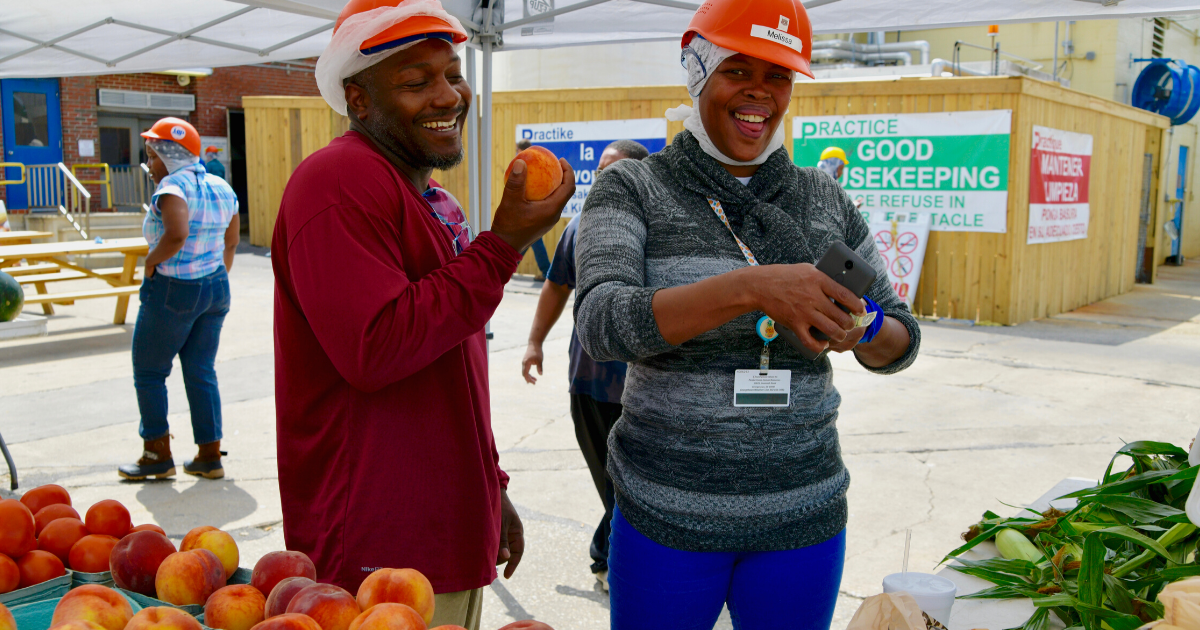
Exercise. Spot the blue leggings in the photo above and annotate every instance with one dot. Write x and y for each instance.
(653, 586)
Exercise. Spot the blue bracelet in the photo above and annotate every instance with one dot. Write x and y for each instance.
(876, 325)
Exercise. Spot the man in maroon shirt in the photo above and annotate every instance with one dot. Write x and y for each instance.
(385, 447)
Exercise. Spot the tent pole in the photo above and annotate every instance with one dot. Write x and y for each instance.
(485, 139)
(1056, 52)
(473, 204)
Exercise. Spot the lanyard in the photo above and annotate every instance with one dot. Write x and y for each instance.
(765, 326)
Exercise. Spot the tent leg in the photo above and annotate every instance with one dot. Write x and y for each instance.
(473, 153)
(485, 139)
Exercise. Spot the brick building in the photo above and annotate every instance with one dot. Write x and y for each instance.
(104, 115)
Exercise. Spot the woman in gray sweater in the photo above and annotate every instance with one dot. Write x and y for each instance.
(680, 257)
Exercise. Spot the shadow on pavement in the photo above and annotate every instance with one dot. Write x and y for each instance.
(103, 339)
(214, 502)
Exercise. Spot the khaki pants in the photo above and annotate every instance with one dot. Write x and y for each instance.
(463, 608)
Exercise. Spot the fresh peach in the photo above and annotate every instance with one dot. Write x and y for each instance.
(10, 574)
(6, 619)
(60, 535)
(389, 616)
(282, 594)
(275, 566)
(150, 527)
(234, 607)
(90, 554)
(108, 517)
(223, 546)
(398, 586)
(543, 172)
(163, 618)
(51, 513)
(189, 540)
(189, 577)
(135, 560)
(41, 496)
(288, 621)
(39, 566)
(78, 624)
(18, 533)
(95, 603)
(527, 624)
(333, 607)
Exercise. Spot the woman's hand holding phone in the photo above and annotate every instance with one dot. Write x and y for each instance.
(801, 297)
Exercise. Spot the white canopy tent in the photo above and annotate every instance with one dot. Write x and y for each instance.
(54, 38)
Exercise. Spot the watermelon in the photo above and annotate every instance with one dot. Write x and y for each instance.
(11, 298)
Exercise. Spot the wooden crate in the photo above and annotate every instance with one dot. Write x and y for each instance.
(966, 275)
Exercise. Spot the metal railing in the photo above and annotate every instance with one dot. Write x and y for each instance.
(105, 184)
(132, 187)
(3, 172)
(53, 186)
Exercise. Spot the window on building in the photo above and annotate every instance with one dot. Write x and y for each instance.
(115, 146)
(32, 127)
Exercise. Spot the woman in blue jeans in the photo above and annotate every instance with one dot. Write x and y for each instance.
(192, 229)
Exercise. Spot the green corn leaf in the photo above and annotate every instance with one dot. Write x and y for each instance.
(1058, 599)
(1005, 591)
(1147, 447)
(1129, 535)
(1091, 577)
(984, 536)
(1118, 595)
(1141, 510)
(1015, 567)
(1168, 575)
(1123, 486)
(995, 577)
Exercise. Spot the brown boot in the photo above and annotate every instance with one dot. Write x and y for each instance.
(155, 462)
(207, 463)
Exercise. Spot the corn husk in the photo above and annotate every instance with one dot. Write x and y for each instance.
(1181, 608)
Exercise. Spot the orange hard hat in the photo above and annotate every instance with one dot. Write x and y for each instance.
(211, 149)
(772, 30)
(412, 29)
(176, 130)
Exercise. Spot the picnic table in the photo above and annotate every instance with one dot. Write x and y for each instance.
(49, 262)
(22, 238)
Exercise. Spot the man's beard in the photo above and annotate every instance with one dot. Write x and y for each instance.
(414, 151)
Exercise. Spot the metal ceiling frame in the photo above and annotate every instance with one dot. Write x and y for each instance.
(170, 37)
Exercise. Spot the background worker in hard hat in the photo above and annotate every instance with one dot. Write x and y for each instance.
(833, 161)
(681, 255)
(386, 453)
(192, 229)
(213, 162)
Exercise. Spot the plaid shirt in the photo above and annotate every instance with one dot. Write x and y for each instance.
(211, 205)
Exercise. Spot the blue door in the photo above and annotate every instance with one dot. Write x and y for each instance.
(1180, 189)
(32, 129)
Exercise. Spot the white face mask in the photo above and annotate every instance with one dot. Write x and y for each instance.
(701, 58)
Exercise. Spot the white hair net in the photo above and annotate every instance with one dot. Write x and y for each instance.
(701, 58)
(172, 154)
(342, 57)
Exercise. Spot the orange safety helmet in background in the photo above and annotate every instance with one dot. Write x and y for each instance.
(772, 30)
(412, 29)
(176, 130)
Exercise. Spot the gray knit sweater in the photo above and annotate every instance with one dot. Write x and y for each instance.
(692, 471)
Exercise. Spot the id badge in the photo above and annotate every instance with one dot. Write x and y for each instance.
(762, 388)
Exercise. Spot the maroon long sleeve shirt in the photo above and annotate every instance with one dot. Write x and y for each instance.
(386, 454)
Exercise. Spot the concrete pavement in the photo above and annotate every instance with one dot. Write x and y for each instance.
(987, 416)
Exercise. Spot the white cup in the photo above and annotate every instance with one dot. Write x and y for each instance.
(933, 593)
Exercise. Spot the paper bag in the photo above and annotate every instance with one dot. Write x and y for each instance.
(888, 611)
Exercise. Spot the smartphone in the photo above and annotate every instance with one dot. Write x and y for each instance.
(847, 269)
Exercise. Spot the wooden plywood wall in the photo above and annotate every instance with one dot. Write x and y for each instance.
(997, 277)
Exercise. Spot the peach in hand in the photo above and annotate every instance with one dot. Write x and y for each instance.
(189, 577)
(135, 560)
(398, 586)
(234, 607)
(163, 618)
(389, 616)
(332, 607)
(543, 172)
(282, 594)
(91, 602)
(277, 565)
